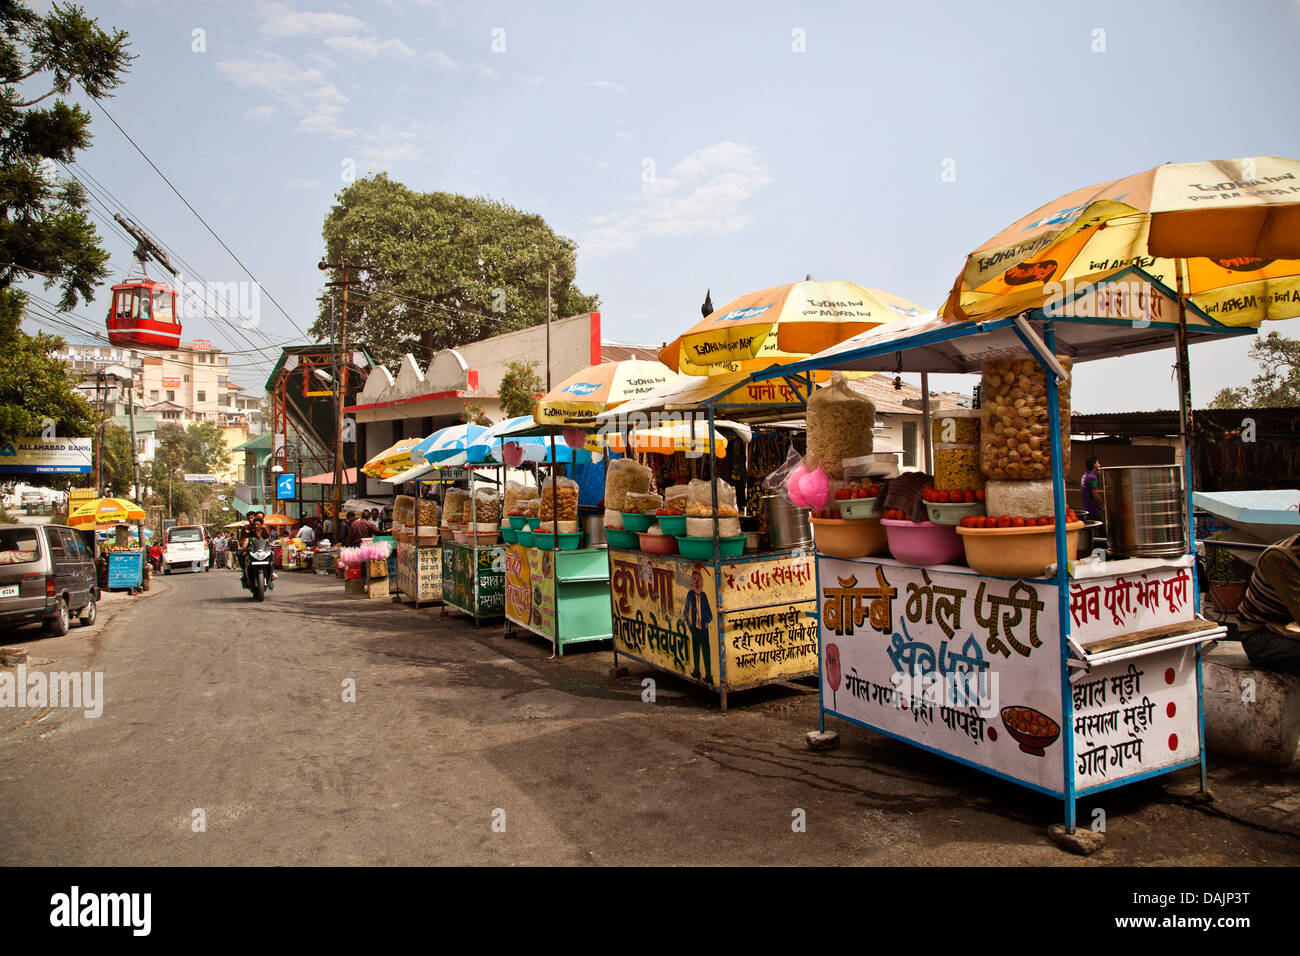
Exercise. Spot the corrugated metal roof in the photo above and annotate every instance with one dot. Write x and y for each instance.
(620, 352)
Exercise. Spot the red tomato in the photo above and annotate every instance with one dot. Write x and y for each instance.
(1017, 522)
(969, 496)
(1004, 521)
(979, 495)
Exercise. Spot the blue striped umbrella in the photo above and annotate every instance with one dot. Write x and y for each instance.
(449, 445)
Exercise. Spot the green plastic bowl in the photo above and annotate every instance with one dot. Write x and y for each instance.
(636, 522)
(533, 523)
(617, 538)
(544, 540)
(518, 521)
(701, 549)
(673, 524)
(570, 540)
(524, 536)
(508, 535)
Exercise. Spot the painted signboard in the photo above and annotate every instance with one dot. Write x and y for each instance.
(530, 588)
(419, 571)
(473, 579)
(47, 456)
(667, 611)
(971, 667)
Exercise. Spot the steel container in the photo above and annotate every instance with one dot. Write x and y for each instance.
(787, 526)
(1146, 513)
(593, 530)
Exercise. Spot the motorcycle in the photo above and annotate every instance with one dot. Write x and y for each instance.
(258, 568)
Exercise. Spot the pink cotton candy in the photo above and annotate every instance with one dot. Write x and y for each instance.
(816, 489)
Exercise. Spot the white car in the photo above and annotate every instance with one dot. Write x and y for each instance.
(185, 547)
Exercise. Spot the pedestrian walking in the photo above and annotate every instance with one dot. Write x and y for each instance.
(219, 550)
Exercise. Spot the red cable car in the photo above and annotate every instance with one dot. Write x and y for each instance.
(143, 316)
(142, 313)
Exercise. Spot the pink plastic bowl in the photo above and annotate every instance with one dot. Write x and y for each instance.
(923, 544)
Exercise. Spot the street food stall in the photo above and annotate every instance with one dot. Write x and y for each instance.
(124, 558)
(686, 597)
(983, 635)
(557, 572)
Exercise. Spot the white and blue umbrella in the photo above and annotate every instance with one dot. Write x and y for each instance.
(448, 446)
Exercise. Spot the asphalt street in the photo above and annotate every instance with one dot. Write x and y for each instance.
(226, 738)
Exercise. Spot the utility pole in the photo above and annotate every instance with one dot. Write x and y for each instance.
(548, 329)
(130, 410)
(99, 444)
(340, 377)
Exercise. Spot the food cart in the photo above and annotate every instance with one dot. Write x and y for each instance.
(417, 561)
(125, 570)
(559, 592)
(1070, 683)
(725, 623)
(473, 580)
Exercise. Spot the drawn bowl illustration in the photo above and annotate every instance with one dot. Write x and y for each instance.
(1032, 729)
(537, 595)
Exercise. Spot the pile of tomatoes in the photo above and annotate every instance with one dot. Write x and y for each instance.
(952, 497)
(857, 491)
(896, 514)
(1006, 521)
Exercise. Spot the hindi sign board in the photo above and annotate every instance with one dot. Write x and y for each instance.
(970, 666)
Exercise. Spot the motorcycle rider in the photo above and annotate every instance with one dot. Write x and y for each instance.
(255, 530)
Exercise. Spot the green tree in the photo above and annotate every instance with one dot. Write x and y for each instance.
(1278, 383)
(34, 384)
(44, 228)
(440, 269)
(520, 386)
(474, 414)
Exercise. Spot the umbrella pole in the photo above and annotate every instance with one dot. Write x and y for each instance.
(1186, 418)
(925, 423)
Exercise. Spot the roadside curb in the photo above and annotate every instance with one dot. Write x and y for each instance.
(44, 655)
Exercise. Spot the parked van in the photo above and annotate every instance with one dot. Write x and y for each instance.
(186, 546)
(47, 573)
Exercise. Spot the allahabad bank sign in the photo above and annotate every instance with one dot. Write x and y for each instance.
(47, 456)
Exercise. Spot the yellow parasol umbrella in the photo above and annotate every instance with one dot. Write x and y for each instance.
(393, 460)
(88, 514)
(785, 322)
(1225, 234)
(582, 396)
(664, 439)
(279, 519)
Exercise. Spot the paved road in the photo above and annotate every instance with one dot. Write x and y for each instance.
(215, 703)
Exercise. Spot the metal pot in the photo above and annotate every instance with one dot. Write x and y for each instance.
(1146, 513)
(593, 531)
(787, 526)
(1085, 539)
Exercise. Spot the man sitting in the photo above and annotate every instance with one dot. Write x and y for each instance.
(1270, 612)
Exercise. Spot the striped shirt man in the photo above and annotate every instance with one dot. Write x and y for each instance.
(1272, 602)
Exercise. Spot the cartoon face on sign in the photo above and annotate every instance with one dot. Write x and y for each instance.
(833, 670)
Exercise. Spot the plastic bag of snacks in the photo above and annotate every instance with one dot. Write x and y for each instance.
(956, 426)
(676, 499)
(487, 508)
(840, 424)
(642, 502)
(700, 499)
(613, 519)
(563, 500)
(1020, 499)
(427, 512)
(531, 507)
(623, 476)
(1014, 439)
(453, 506)
(703, 527)
(515, 493)
(403, 511)
(957, 468)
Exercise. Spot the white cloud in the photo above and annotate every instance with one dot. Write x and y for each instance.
(486, 71)
(704, 193)
(281, 20)
(442, 60)
(259, 112)
(368, 47)
(303, 183)
(304, 91)
(608, 85)
(534, 81)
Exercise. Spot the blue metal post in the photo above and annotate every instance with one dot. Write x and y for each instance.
(1062, 580)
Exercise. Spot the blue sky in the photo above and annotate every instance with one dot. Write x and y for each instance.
(769, 161)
